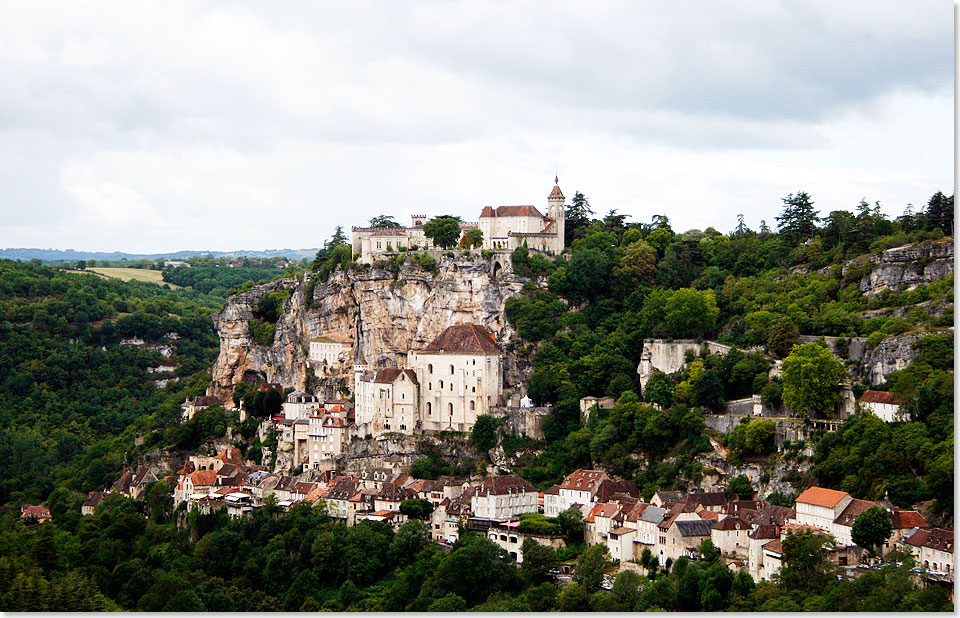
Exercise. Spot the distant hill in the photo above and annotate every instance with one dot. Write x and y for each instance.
(58, 255)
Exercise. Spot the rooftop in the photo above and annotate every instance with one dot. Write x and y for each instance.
(464, 338)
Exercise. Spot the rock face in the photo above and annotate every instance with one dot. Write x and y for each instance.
(386, 312)
(904, 268)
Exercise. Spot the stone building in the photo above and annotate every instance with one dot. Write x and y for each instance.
(460, 377)
(329, 353)
(504, 228)
(508, 227)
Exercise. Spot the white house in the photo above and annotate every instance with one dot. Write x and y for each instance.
(819, 507)
(883, 404)
(503, 497)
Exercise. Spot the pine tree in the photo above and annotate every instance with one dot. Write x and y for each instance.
(799, 220)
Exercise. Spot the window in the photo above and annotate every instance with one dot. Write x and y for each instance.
(473, 389)
(429, 407)
(474, 361)
(451, 387)
(429, 368)
(451, 369)
(473, 405)
(441, 384)
(450, 408)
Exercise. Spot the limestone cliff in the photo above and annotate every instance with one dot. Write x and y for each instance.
(904, 268)
(386, 312)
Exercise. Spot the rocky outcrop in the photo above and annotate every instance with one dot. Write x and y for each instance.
(904, 268)
(387, 312)
(892, 354)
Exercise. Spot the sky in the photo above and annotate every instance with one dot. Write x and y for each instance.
(163, 126)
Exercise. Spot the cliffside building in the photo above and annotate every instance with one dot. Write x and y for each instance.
(457, 377)
(504, 228)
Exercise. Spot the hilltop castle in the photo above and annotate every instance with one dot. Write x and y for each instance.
(504, 229)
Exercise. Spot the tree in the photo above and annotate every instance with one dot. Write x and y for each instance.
(740, 487)
(472, 238)
(691, 313)
(418, 508)
(81, 265)
(338, 238)
(812, 379)
(573, 598)
(571, 523)
(871, 528)
(444, 231)
(940, 213)
(708, 551)
(783, 336)
(742, 229)
(659, 390)
(805, 564)
(799, 220)
(538, 561)
(639, 263)
(708, 391)
(384, 221)
(577, 217)
(484, 432)
(592, 565)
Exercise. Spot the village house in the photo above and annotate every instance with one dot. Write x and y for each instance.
(820, 507)
(682, 537)
(933, 550)
(190, 407)
(195, 485)
(579, 487)
(299, 405)
(328, 435)
(729, 535)
(329, 353)
(886, 406)
(501, 498)
(711, 500)
(90, 503)
(757, 567)
(35, 514)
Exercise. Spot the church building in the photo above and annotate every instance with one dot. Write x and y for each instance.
(450, 382)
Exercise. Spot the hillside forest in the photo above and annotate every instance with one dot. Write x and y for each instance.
(93, 373)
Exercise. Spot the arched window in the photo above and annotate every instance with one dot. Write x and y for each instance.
(451, 369)
(429, 368)
(450, 408)
(473, 405)
(451, 387)
(429, 386)
(441, 384)
(429, 408)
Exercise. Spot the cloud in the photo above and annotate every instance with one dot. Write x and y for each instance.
(229, 125)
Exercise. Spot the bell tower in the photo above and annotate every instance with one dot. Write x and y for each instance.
(556, 210)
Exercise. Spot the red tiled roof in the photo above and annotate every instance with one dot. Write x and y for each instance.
(555, 192)
(203, 477)
(819, 496)
(853, 511)
(879, 397)
(583, 480)
(29, 511)
(464, 338)
(904, 520)
(934, 538)
(389, 375)
(775, 546)
(510, 211)
(507, 484)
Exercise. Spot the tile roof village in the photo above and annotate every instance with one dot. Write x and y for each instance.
(748, 533)
(311, 434)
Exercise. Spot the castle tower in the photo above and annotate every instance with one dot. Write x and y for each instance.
(556, 210)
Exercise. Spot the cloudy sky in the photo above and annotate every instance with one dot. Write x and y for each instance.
(150, 127)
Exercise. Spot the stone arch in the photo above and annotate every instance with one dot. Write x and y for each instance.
(497, 268)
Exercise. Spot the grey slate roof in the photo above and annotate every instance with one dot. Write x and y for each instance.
(652, 514)
(695, 528)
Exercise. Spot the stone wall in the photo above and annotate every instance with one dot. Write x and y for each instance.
(523, 421)
(670, 356)
(787, 428)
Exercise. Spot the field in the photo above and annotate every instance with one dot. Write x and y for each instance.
(137, 274)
